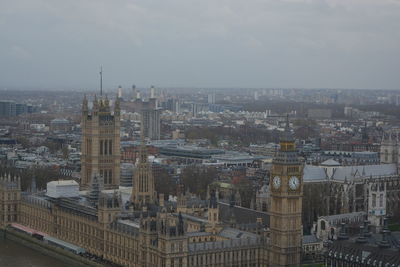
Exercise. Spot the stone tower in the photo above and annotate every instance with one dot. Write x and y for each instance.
(108, 208)
(10, 198)
(286, 204)
(213, 212)
(100, 143)
(388, 150)
(143, 190)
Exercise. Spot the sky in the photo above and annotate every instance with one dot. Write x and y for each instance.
(200, 43)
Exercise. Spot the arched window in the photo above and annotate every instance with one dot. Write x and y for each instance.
(323, 226)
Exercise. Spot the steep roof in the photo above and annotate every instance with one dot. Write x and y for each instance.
(364, 171)
(242, 215)
(314, 173)
(330, 162)
(341, 173)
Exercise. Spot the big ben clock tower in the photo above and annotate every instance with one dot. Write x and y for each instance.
(286, 183)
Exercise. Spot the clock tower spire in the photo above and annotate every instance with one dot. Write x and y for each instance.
(286, 203)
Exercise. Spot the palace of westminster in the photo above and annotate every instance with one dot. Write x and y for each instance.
(137, 227)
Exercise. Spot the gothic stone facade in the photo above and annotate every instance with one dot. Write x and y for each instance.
(100, 143)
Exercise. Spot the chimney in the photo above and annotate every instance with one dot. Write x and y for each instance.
(342, 234)
(161, 200)
(367, 233)
(384, 243)
(361, 238)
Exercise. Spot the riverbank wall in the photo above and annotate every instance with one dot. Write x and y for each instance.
(48, 250)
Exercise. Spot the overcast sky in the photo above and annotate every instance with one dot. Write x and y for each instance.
(202, 43)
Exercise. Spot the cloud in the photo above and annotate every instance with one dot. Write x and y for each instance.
(19, 52)
(309, 43)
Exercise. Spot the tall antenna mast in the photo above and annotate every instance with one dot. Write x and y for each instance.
(101, 80)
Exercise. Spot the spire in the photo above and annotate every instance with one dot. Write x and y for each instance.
(101, 81)
(85, 104)
(213, 200)
(287, 135)
(95, 103)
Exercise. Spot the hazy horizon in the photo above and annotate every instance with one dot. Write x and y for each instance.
(53, 44)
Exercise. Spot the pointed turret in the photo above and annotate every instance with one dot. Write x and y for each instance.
(143, 190)
(85, 108)
(96, 186)
(95, 104)
(117, 107)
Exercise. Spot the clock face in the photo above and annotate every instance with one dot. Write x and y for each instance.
(276, 182)
(294, 183)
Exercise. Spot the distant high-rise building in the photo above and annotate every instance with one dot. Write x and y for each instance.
(127, 172)
(151, 123)
(120, 92)
(7, 108)
(134, 93)
(173, 104)
(211, 98)
(100, 143)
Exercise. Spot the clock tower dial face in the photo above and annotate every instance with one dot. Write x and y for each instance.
(276, 182)
(294, 183)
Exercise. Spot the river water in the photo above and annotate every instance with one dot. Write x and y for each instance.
(13, 254)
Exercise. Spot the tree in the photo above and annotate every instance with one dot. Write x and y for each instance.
(23, 141)
(164, 183)
(65, 152)
(246, 191)
(197, 179)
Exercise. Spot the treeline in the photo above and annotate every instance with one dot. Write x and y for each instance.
(282, 107)
(241, 135)
(41, 175)
(197, 179)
